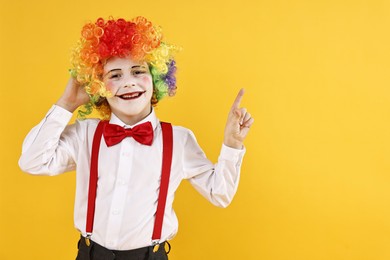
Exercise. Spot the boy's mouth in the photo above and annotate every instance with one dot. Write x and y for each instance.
(132, 95)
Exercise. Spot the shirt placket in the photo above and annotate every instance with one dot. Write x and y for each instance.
(120, 192)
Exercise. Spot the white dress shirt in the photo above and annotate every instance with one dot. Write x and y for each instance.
(129, 175)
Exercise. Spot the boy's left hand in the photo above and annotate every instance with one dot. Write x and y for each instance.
(238, 123)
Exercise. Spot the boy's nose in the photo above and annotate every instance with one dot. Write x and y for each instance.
(128, 85)
(129, 81)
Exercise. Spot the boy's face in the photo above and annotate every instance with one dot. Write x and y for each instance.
(131, 84)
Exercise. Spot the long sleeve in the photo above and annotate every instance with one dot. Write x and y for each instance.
(49, 148)
(216, 182)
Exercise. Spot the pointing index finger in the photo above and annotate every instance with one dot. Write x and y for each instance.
(237, 101)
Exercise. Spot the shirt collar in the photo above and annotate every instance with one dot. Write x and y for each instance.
(151, 118)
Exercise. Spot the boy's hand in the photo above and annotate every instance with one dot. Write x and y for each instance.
(238, 123)
(74, 96)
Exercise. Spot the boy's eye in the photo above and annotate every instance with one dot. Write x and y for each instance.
(138, 72)
(115, 76)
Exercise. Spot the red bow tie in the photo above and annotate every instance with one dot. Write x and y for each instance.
(142, 133)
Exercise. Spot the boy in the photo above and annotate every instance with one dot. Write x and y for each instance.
(122, 69)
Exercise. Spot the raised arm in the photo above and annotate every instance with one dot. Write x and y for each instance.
(50, 147)
(219, 182)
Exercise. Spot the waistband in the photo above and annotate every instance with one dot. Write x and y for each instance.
(96, 249)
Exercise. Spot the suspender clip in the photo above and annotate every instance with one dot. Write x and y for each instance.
(156, 245)
(87, 239)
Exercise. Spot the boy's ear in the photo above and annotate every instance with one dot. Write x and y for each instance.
(101, 101)
(154, 99)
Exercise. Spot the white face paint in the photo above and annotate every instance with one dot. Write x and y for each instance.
(131, 85)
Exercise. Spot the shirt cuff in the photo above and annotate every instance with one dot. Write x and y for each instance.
(231, 154)
(59, 114)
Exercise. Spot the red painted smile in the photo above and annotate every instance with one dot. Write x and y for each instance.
(132, 95)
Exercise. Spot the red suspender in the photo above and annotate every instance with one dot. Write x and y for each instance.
(93, 177)
(165, 173)
(167, 133)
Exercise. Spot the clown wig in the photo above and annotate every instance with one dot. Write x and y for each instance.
(119, 38)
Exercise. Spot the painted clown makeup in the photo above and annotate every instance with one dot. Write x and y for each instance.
(131, 85)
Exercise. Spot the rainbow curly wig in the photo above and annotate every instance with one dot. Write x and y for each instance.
(119, 38)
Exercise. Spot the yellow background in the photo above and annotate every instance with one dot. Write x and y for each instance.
(316, 177)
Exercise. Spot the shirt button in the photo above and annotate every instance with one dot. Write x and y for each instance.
(116, 212)
(122, 182)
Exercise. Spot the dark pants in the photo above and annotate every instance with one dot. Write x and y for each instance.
(97, 252)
